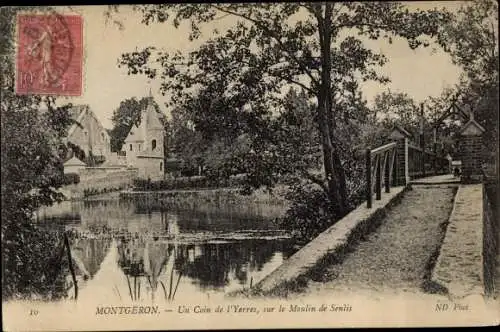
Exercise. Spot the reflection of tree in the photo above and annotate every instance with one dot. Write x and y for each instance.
(131, 256)
(111, 217)
(217, 262)
(157, 257)
(91, 253)
(208, 217)
(147, 262)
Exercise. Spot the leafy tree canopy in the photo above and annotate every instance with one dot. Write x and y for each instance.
(237, 76)
(471, 38)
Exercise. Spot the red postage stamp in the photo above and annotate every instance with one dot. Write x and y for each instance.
(49, 57)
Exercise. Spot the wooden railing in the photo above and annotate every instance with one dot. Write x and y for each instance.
(379, 171)
(424, 163)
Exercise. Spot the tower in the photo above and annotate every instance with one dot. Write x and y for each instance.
(153, 131)
(144, 144)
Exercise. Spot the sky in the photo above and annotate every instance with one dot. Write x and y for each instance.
(420, 73)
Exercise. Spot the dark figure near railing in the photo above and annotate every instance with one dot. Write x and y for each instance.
(456, 172)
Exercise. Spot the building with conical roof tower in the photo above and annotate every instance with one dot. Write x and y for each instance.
(143, 146)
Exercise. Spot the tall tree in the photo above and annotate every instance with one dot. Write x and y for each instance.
(185, 143)
(397, 108)
(471, 38)
(31, 172)
(316, 46)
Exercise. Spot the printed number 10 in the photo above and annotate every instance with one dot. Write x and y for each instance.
(33, 312)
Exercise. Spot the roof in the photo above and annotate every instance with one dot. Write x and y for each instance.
(74, 161)
(152, 119)
(149, 120)
(399, 132)
(472, 128)
(135, 135)
(77, 113)
(404, 131)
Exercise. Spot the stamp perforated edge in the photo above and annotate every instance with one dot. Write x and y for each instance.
(16, 51)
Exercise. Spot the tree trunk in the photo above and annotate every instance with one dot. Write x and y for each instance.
(333, 168)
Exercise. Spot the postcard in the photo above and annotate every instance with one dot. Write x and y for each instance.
(243, 166)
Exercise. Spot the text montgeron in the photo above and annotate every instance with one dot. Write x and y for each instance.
(127, 310)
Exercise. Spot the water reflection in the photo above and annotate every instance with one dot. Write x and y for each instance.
(126, 251)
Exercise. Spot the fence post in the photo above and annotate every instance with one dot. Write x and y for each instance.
(378, 179)
(424, 159)
(386, 172)
(422, 138)
(407, 163)
(368, 179)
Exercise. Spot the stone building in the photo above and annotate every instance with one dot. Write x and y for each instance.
(143, 146)
(89, 134)
(73, 165)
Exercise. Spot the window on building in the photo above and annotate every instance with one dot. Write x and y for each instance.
(161, 166)
(130, 147)
(140, 147)
(86, 133)
(153, 144)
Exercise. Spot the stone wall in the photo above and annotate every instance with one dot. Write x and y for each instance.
(460, 265)
(115, 159)
(95, 180)
(150, 167)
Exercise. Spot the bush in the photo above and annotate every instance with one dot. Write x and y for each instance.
(32, 263)
(310, 213)
(193, 182)
(71, 178)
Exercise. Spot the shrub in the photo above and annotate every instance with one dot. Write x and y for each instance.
(310, 213)
(193, 182)
(32, 263)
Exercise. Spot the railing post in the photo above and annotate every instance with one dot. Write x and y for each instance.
(386, 172)
(435, 160)
(401, 167)
(368, 179)
(422, 138)
(407, 162)
(423, 163)
(378, 180)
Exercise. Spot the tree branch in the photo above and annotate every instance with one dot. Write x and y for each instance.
(270, 33)
(292, 81)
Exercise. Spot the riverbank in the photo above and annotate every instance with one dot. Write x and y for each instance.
(220, 195)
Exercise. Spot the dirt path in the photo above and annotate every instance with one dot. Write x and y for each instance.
(394, 258)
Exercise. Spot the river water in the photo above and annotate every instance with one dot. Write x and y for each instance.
(135, 251)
